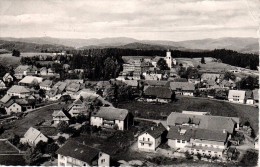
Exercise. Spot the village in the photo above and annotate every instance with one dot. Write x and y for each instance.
(158, 110)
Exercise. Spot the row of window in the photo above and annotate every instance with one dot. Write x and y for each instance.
(179, 141)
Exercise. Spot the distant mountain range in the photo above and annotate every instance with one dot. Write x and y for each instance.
(242, 45)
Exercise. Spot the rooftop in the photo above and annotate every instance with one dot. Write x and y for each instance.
(111, 113)
(159, 92)
(18, 89)
(79, 151)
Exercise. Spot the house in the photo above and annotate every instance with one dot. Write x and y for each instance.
(77, 107)
(46, 85)
(33, 137)
(216, 123)
(19, 91)
(110, 117)
(30, 81)
(43, 71)
(61, 86)
(196, 140)
(12, 107)
(8, 78)
(101, 85)
(58, 116)
(256, 95)
(53, 94)
(2, 85)
(152, 76)
(237, 96)
(151, 138)
(24, 70)
(156, 83)
(73, 153)
(183, 88)
(26, 103)
(158, 94)
(249, 97)
(78, 81)
(72, 89)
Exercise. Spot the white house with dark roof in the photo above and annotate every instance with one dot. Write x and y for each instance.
(8, 77)
(183, 88)
(110, 117)
(2, 85)
(73, 153)
(58, 116)
(151, 138)
(237, 96)
(19, 91)
(33, 137)
(24, 70)
(195, 140)
(77, 107)
(12, 107)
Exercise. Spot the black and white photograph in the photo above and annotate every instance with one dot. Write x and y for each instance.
(129, 83)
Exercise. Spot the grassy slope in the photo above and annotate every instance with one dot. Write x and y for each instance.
(155, 111)
(20, 126)
(8, 59)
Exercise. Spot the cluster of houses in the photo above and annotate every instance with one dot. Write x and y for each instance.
(193, 132)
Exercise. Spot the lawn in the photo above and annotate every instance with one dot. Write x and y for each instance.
(20, 126)
(12, 160)
(219, 108)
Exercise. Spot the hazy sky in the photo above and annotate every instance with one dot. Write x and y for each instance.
(141, 19)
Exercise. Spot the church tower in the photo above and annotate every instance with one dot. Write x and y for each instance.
(168, 59)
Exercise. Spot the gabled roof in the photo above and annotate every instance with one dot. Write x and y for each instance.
(74, 87)
(32, 134)
(240, 93)
(79, 151)
(156, 83)
(18, 89)
(52, 92)
(210, 76)
(7, 75)
(174, 133)
(156, 131)
(59, 113)
(31, 80)
(22, 68)
(111, 113)
(60, 86)
(9, 103)
(46, 83)
(2, 84)
(210, 122)
(159, 92)
(6, 98)
(132, 83)
(186, 86)
(196, 133)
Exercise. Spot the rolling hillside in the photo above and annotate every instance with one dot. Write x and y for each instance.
(242, 45)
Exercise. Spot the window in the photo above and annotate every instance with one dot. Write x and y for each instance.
(183, 141)
(209, 151)
(103, 160)
(206, 145)
(178, 141)
(148, 139)
(14, 105)
(142, 144)
(143, 139)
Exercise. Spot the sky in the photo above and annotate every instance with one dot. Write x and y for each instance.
(174, 20)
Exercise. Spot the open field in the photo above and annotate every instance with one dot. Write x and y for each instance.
(219, 108)
(8, 59)
(212, 66)
(20, 126)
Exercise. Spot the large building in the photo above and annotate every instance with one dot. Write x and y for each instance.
(168, 59)
(110, 117)
(74, 153)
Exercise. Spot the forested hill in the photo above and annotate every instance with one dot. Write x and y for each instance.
(31, 47)
(226, 56)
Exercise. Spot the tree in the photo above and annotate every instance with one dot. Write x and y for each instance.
(187, 155)
(32, 155)
(51, 149)
(63, 126)
(202, 60)
(229, 75)
(248, 83)
(16, 53)
(199, 156)
(81, 118)
(162, 64)
(61, 140)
